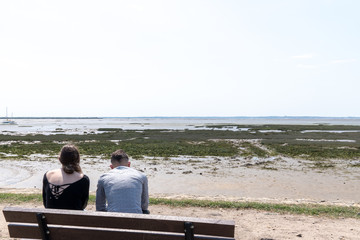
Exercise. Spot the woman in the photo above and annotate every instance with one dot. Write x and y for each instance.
(67, 187)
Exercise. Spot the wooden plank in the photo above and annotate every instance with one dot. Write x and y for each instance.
(211, 227)
(80, 233)
(24, 231)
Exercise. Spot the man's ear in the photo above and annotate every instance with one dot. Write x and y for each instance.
(129, 163)
(111, 166)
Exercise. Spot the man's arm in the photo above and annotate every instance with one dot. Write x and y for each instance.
(100, 197)
(145, 196)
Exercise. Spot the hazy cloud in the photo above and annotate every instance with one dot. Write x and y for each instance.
(304, 56)
(344, 61)
(307, 66)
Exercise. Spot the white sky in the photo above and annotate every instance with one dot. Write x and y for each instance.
(180, 58)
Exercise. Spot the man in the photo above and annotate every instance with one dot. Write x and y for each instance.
(125, 189)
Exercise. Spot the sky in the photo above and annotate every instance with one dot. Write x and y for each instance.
(180, 58)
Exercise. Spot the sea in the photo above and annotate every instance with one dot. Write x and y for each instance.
(87, 125)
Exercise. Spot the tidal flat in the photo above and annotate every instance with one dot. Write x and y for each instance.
(295, 163)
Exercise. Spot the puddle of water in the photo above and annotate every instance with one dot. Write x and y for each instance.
(325, 140)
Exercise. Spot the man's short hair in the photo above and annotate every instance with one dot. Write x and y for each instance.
(119, 156)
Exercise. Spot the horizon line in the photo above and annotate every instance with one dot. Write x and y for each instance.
(70, 117)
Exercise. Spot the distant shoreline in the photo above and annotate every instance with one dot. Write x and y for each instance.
(191, 117)
(51, 118)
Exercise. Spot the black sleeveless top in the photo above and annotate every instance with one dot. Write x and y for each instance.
(73, 196)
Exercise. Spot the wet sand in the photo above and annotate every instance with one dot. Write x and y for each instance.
(211, 178)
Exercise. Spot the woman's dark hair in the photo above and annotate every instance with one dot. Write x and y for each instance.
(70, 159)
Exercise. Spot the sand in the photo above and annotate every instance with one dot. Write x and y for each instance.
(240, 179)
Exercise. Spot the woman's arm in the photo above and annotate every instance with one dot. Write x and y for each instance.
(44, 190)
(86, 192)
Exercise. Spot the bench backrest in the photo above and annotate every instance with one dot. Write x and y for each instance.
(71, 224)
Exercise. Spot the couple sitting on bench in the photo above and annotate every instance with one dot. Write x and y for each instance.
(122, 189)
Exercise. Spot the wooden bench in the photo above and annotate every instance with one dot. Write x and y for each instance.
(39, 223)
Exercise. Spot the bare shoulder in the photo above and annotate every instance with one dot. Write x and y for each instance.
(78, 175)
(54, 176)
(59, 177)
(73, 177)
(52, 173)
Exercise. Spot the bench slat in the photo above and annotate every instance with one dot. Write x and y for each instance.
(79, 233)
(212, 227)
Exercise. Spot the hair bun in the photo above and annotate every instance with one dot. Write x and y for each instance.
(69, 169)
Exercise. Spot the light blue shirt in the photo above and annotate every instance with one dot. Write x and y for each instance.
(124, 189)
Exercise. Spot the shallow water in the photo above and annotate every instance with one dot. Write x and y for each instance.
(79, 126)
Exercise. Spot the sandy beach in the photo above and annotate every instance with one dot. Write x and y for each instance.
(212, 178)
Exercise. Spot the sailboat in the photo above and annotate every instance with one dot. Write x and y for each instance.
(8, 121)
